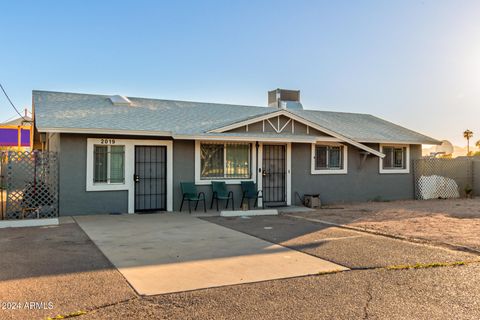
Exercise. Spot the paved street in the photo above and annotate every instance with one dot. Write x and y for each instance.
(439, 293)
(58, 264)
(65, 267)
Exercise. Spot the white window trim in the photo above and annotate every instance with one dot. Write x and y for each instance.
(253, 164)
(344, 170)
(395, 171)
(129, 184)
(109, 157)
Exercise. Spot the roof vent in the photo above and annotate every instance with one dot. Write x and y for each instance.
(118, 100)
(284, 99)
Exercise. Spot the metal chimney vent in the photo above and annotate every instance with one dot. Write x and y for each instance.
(284, 99)
(118, 100)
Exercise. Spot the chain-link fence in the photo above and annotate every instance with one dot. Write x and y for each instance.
(29, 182)
(443, 178)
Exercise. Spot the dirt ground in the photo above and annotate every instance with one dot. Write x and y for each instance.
(453, 222)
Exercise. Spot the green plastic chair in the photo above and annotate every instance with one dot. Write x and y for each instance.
(220, 192)
(189, 191)
(249, 191)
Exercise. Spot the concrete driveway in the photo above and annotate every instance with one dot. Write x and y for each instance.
(164, 253)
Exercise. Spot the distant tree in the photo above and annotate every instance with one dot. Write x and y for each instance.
(467, 134)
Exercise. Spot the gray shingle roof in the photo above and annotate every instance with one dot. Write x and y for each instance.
(363, 127)
(60, 110)
(88, 111)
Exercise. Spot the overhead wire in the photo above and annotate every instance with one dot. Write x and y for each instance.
(11, 103)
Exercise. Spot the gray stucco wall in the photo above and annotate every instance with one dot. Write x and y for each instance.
(74, 200)
(360, 184)
(54, 142)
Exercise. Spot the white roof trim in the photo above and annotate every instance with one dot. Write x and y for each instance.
(327, 139)
(304, 121)
(249, 121)
(245, 138)
(303, 139)
(107, 131)
(313, 139)
(401, 142)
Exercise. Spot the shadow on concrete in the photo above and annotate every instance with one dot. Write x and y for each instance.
(45, 251)
(341, 246)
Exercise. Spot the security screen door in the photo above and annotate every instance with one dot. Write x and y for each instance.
(150, 178)
(274, 174)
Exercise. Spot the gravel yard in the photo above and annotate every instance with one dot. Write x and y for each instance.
(454, 221)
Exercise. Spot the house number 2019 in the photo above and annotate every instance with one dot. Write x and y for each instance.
(107, 141)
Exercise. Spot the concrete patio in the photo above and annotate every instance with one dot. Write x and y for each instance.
(164, 253)
(199, 213)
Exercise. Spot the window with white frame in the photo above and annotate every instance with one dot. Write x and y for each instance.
(224, 161)
(328, 158)
(396, 159)
(108, 164)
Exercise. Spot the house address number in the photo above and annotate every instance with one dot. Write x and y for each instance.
(107, 141)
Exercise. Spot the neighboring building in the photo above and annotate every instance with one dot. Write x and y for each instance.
(457, 151)
(121, 154)
(17, 134)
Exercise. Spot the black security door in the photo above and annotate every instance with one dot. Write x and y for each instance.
(274, 173)
(150, 178)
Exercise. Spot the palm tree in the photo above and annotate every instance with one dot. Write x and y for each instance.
(467, 134)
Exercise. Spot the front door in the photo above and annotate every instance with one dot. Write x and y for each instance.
(150, 178)
(274, 175)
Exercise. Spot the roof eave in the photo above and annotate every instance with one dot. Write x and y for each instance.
(432, 142)
(105, 131)
(244, 138)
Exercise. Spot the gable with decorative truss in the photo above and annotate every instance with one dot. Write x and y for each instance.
(280, 124)
(291, 123)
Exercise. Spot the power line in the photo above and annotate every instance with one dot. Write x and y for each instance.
(11, 103)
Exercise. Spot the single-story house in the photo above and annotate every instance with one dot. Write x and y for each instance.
(127, 154)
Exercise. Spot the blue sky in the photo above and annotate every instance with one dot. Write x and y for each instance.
(416, 63)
